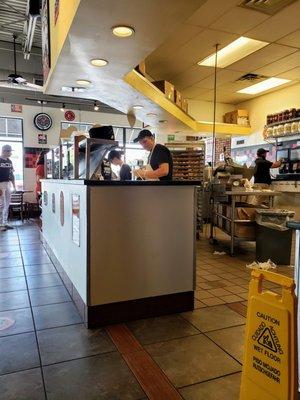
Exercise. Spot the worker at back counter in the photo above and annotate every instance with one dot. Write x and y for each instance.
(262, 168)
(160, 163)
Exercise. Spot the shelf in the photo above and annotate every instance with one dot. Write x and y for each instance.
(283, 122)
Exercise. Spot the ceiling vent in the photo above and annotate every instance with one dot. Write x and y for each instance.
(269, 7)
(251, 77)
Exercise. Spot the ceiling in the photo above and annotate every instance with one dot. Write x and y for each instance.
(219, 21)
(13, 21)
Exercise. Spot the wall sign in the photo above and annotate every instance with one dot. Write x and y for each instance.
(42, 138)
(69, 115)
(17, 108)
(62, 208)
(76, 219)
(42, 121)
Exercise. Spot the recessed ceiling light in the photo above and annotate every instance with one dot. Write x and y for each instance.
(96, 106)
(151, 114)
(83, 82)
(98, 62)
(123, 31)
(138, 107)
(263, 86)
(235, 51)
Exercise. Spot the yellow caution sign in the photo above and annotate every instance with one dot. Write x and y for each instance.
(270, 359)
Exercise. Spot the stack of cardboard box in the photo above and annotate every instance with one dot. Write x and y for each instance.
(239, 117)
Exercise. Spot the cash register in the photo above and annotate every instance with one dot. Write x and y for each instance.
(290, 168)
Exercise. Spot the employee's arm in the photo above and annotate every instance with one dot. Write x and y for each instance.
(276, 164)
(12, 179)
(161, 171)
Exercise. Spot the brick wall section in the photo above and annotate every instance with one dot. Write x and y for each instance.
(220, 144)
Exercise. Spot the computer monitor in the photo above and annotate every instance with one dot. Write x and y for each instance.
(295, 154)
(283, 154)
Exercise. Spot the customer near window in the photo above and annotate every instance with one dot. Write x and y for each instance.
(7, 180)
(262, 175)
(160, 163)
(114, 158)
(40, 174)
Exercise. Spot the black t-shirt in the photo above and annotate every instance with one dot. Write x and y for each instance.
(262, 171)
(161, 155)
(125, 173)
(6, 170)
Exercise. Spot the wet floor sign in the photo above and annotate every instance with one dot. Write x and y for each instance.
(270, 359)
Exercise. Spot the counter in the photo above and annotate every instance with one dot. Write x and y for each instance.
(290, 195)
(125, 250)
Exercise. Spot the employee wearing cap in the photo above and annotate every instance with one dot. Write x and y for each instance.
(6, 179)
(262, 168)
(160, 163)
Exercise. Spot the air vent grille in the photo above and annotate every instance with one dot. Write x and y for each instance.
(269, 7)
(251, 77)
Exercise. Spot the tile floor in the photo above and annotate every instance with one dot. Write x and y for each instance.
(47, 353)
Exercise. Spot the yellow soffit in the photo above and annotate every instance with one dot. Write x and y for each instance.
(151, 92)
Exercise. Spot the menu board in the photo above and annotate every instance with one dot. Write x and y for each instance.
(76, 219)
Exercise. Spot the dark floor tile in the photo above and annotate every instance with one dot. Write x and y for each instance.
(43, 281)
(70, 342)
(54, 315)
(10, 248)
(159, 329)
(9, 254)
(231, 340)
(50, 295)
(20, 321)
(14, 262)
(12, 284)
(14, 300)
(36, 259)
(191, 360)
(39, 269)
(104, 377)
(24, 385)
(212, 318)
(18, 352)
(225, 388)
(11, 272)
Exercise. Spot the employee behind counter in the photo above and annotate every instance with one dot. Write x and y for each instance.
(160, 163)
(262, 175)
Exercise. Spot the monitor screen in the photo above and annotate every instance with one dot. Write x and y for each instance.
(282, 154)
(295, 154)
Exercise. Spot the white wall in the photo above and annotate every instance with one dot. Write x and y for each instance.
(31, 133)
(261, 106)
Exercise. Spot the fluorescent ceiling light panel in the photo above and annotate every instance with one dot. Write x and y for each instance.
(235, 51)
(263, 86)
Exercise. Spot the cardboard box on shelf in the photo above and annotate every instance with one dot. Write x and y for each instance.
(240, 117)
(141, 68)
(185, 105)
(178, 98)
(167, 88)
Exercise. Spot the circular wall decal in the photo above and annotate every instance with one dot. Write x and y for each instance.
(42, 121)
(62, 208)
(69, 115)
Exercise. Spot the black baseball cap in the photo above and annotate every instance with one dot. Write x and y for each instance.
(143, 133)
(114, 154)
(261, 152)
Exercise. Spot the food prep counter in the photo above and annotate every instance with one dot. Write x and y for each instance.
(125, 250)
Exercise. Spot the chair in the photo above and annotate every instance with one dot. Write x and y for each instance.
(17, 204)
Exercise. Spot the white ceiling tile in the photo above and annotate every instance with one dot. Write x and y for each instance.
(262, 57)
(284, 64)
(293, 74)
(192, 75)
(199, 47)
(239, 20)
(279, 25)
(223, 76)
(293, 39)
(192, 92)
(210, 11)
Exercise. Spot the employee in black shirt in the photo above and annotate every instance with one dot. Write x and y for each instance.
(6, 180)
(160, 163)
(114, 158)
(262, 168)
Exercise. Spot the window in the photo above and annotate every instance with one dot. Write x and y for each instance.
(11, 132)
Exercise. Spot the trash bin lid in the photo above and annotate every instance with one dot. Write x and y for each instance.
(275, 212)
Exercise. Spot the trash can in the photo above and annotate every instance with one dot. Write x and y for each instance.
(273, 237)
